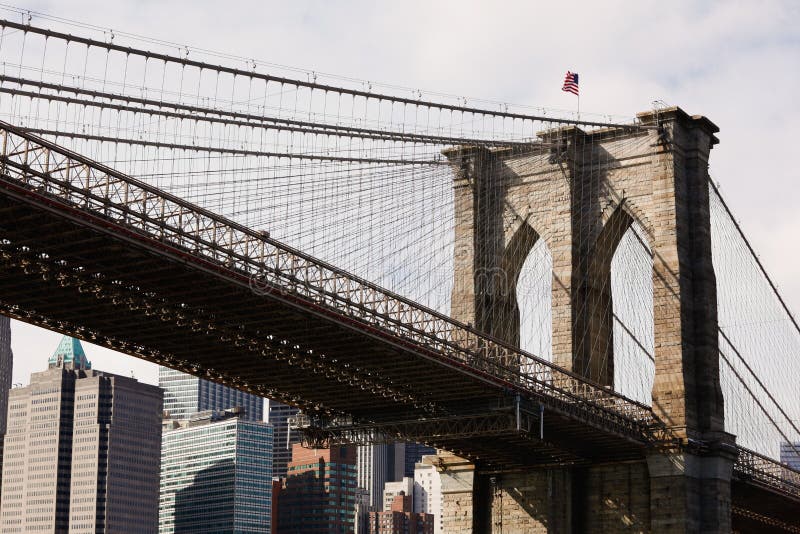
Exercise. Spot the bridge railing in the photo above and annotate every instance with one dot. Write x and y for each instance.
(278, 270)
(764, 470)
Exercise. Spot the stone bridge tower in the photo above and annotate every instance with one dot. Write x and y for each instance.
(580, 192)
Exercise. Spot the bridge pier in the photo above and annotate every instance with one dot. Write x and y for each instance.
(458, 493)
(612, 498)
(690, 493)
(535, 501)
(668, 493)
(476, 502)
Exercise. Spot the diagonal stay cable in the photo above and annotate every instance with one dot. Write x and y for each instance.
(755, 257)
(757, 401)
(760, 383)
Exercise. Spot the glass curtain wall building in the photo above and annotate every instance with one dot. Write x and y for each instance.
(216, 476)
(6, 365)
(376, 465)
(185, 395)
(279, 415)
(790, 454)
(413, 455)
(319, 494)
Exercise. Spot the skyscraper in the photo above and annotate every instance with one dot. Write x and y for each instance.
(186, 395)
(319, 493)
(279, 415)
(376, 465)
(428, 491)
(81, 451)
(413, 455)
(790, 455)
(216, 475)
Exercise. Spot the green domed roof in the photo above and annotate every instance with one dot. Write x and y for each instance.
(69, 354)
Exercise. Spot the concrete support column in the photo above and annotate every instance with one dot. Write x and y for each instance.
(582, 326)
(490, 251)
(663, 181)
(537, 501)
(478, 279)
(567, 150)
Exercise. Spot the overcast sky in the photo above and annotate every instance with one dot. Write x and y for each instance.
(736, 62)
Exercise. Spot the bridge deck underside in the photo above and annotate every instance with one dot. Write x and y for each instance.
(203, 318)
(754, 503)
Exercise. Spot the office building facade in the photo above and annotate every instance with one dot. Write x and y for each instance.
(279, 415)
(428, 491)
(81, 451)
(400, 518)
(413, 455)
(6, 370)
(216, 475)
(424, 494)
(318, 496)
(186, 395)
(393, 489)
(790, 454)
(376, 465)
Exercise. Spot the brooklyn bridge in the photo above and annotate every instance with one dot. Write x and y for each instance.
(566, 308)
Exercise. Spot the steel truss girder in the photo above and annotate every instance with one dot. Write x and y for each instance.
(426, 431)
(444, 433)
(278, 271)
(32, 262)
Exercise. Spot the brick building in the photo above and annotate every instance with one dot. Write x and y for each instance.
(400, 519)
(319, 493)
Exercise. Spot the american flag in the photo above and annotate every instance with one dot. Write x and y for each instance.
(571, 83)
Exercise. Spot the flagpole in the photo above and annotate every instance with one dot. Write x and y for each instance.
(579, 105)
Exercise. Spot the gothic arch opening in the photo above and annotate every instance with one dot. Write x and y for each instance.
(533, 289)
(513, 298)
(632, 314)
(613, 309)
(527, 269)
(592, 311)
(506, 321)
